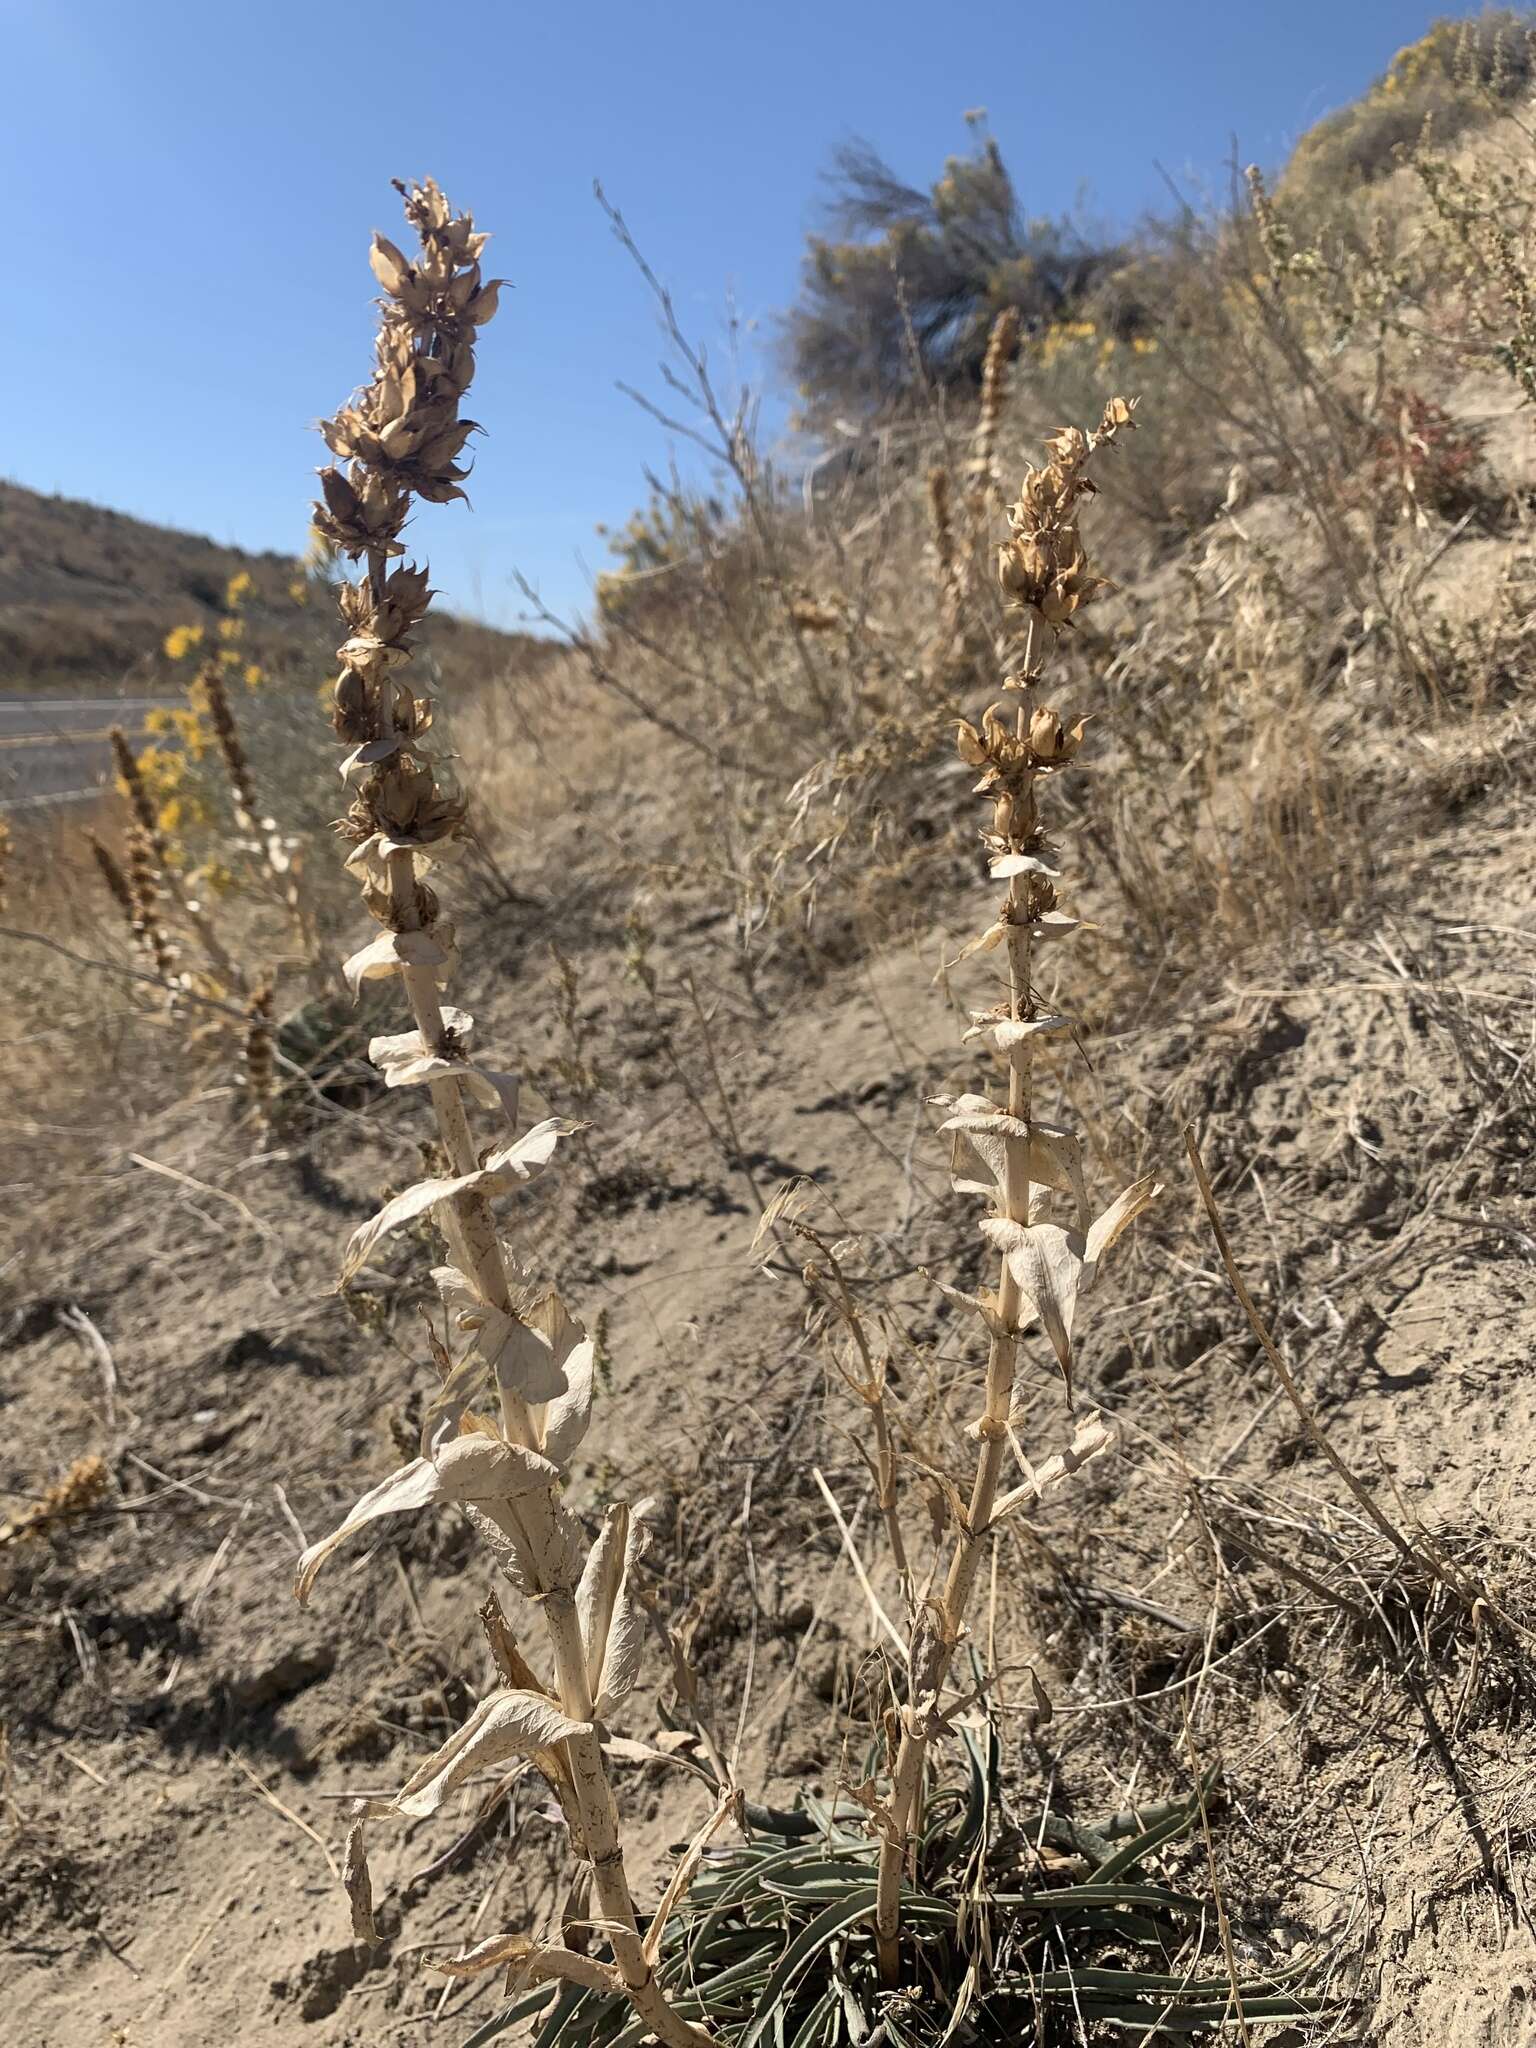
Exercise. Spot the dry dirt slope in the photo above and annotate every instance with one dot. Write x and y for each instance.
(179, 1733)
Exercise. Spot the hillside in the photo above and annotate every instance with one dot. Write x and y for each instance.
(739, 899)
(87, 596)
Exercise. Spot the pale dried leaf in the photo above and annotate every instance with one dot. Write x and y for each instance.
(413, 1486)
(1055, 924)
(412, 1202)
(985, 1136)
(626, 1631)
(402, 1045)
(369, 754)
(567, 1417)
(459, 1294)
(533, 1961)
(598, 1589)
(984, 942)
(522, 1359)
(628, 1751)
(388, 953)
(493, 1087)
(685, 1872)
(1056, 1161)
(1123, 1210)
(505, 1724)
(483, 1468)
(1009, 1033)
(359, 1886)
(1091, 1437)
(1009, 864)
(1047, 1266)
(512, 1560)
(1051, 1266)
(983, 1304)
(672, 1741)
(525, 1155)
(490, 1954)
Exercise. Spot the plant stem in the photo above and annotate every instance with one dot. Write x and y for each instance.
(919, 1721)
(473, 1226)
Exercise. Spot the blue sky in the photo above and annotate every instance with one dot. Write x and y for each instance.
(193, 183)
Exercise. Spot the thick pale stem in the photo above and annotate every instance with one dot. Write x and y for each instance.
(475, 1242)
(600, 1831)
(928, 1674)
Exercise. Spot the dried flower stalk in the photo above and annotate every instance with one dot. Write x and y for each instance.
(951, 581)
(231, 747)
(277, 853)
(401, 439)
(1001, 343)
(144, 902)
(258, 1069)
(115, 881)
(149, 859)
(1003, 1153)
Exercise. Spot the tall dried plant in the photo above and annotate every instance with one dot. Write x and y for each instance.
(1001, 344)
(278, 854)
(399, 440)
(144, 904)
(1003, 1152)
(151, 870)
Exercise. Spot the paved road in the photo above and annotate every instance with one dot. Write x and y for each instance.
(53, 750)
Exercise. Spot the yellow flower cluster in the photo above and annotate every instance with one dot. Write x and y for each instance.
(1064, 336)
(180, 806)
(181, 640)
(213, 878)
(1433, 52)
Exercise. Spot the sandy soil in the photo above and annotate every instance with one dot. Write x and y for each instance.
(181, 1736)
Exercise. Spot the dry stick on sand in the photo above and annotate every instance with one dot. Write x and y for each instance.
(400, 439)
(1000, 1153)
